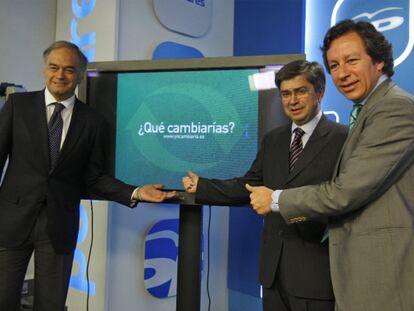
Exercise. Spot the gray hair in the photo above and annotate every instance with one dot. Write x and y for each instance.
(83, 61)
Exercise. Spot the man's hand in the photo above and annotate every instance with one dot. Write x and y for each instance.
(153, 193)
(260, 199)
(190, 182)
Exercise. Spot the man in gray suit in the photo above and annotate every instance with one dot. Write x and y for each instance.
(370, 200)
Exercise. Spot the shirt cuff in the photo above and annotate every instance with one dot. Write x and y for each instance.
(135, 197)
(275, 200)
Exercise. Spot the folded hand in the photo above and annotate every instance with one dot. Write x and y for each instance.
(260, 199)
(190, 182)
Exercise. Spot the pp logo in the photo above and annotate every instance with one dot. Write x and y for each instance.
(392, 17)
(161, 252)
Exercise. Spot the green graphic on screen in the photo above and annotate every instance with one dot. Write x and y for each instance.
(172, 122)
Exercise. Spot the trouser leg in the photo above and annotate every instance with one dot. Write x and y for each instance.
(52, 271)
(52, 275)
(13, 266)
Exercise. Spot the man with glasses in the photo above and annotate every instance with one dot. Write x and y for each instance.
(294, 264)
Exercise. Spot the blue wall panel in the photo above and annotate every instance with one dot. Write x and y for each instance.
(261, 27)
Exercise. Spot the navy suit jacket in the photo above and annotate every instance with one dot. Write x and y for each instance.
(29, 185)
(295, 249)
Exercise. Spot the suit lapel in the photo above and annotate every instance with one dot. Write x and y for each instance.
(358, 126)
(372, 100)
(75, 130)
(282, 155)
(37, 126)
(315, 144)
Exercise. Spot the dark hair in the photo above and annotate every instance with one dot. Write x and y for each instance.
(312, 71)
(376, 45)
(83, 61)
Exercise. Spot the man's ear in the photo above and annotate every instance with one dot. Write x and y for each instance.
(380, 66)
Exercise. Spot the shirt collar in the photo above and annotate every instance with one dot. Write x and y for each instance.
(310, 126)
(381, 79)
(49, 99)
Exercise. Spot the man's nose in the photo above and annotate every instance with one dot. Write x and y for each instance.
(293, 97)
(342, 72)
(60, 73)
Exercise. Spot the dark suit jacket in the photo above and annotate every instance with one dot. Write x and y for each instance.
(295, 249)
(29, 185)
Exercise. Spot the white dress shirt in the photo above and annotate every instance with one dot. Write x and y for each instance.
(66, 113)
(308, 128)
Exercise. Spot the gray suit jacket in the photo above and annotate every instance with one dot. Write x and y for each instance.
(370, 202)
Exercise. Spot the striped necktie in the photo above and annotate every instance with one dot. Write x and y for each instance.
(296, 147)
(356, 109)
(55, 127)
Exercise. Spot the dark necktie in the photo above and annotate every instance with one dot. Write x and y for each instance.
(55, 127)
(356, 109)
(296, 147)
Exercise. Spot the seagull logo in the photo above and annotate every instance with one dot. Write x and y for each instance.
(383, 24)
(396, 20)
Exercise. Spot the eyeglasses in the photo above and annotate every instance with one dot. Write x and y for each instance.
(299, 93)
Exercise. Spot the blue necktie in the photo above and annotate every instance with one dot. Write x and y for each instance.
(55, 127)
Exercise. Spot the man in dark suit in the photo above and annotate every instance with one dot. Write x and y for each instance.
(53, 158)
(294, 265)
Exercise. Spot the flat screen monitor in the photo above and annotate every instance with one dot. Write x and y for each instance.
(170, 116)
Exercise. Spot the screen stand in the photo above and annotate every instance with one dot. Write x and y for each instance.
(189, 258)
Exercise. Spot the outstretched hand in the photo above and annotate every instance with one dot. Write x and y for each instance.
(260, 199)
(154, 193)
(190, 182)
